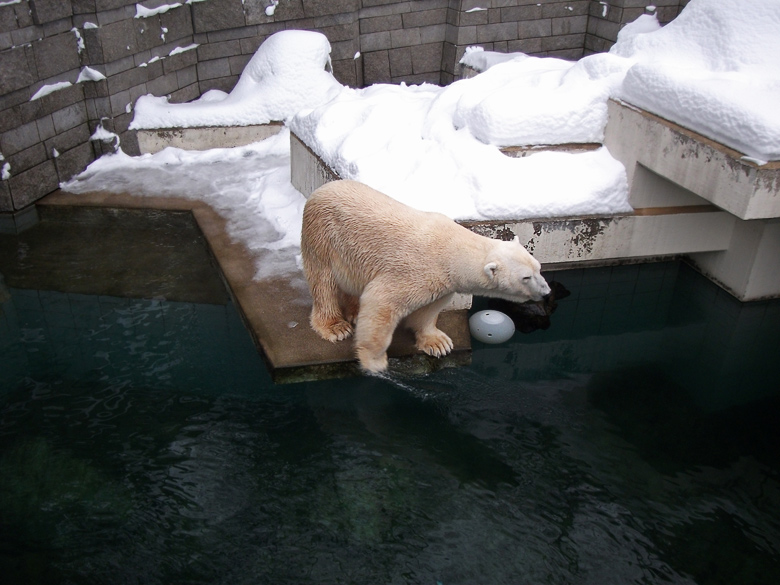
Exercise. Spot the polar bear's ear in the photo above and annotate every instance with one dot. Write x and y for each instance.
(517, 239)
(490, 270)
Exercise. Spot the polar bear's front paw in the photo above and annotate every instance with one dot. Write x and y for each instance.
(437, 343)
(333, 331)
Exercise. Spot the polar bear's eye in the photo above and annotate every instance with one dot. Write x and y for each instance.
(526, 279)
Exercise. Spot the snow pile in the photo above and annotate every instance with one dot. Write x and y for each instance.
(86, 74)
(143, 12)
(523, 100)
(89, 74)
(481, 60)
(532, 101)
(286, 74)
(436, 148)
(401, 140)
(249, 186)
(714, 69)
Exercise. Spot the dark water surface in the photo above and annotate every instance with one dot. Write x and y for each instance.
(635, 441)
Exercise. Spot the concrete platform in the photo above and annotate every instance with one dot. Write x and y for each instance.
(275, 312)
(204, 138)
(650, 233)
(647, 234)
(695, 164)
(668, 164)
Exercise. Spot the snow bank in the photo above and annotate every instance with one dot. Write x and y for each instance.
(402, 141)
(481, 60)
(531, 101)
(715, 69)
(522, 100)
(286, 74)
(249, 186)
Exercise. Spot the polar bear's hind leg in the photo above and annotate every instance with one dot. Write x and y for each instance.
(376, 323)
(327, 318)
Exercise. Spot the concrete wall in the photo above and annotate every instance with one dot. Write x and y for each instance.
(43, 42)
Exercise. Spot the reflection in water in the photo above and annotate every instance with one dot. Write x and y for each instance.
(143, 442)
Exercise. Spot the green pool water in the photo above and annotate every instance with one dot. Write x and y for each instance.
(634, 441)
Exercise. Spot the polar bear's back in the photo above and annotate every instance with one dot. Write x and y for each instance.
(359, 232)
(354, 201)
(355, 215)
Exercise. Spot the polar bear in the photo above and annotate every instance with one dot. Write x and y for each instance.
(372, 262)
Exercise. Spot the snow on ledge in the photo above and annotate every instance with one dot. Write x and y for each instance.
(285, 75)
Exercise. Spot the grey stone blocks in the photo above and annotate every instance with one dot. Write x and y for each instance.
(427, 59)
(19, 138)
(424, 18)
(217, 15)
(6, 205)
(380, 23)
(44, 11)
(400, 62)
(56, 54)
(28, 186)
(214, 68)
(314, 8)
(606, 20)
(375, 42)
(15, 70)
(376, 67)
(71, 162)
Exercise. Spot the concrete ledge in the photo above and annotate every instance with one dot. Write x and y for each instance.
(667, 164)
(151, 141)
(571, 147)
(275, 311)
(648, 234)
(308, 171)
(703, 167)
(749, 268)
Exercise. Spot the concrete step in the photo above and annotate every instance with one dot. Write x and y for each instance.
(702, 167)
(668, 164)
(648, 233)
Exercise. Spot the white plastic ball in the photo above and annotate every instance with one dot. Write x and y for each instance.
(491, 326)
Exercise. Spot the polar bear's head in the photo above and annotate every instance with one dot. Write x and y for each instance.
(514, 274)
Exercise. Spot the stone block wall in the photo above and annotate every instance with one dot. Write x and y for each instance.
(46, 137)
(402, 41)
(183, 48)
(552, 29)
(606, 18)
